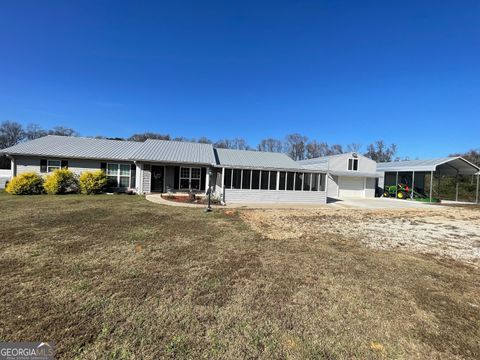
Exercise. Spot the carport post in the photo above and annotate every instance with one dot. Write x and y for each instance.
(476, 200)
(456, 188)
(396, 185)
(413, 184)
(431, 185)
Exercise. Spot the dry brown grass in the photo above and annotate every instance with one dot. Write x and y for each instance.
(118, 277)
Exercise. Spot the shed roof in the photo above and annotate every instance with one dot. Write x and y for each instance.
(175, 152)
(256, 160)
(75, 147)
(445, 165)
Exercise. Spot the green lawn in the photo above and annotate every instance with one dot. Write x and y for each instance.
(119, 277)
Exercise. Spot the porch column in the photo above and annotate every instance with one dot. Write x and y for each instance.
(13, 165)
(223, 184)
(456, 188)
(207, 180)
(138, 178)
(431, 185)
(396, 185)
(278, 181)
(413, 184)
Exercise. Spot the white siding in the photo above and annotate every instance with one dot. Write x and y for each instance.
(77, 166)
(332, 186)
(370, 188)
(274, 196)
(340, 163)
(146, 179)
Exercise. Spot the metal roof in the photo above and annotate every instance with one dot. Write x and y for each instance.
(175, 152)
(75, 147)
(354, 173)
(445, 165)
(324, 158)
(256, 160)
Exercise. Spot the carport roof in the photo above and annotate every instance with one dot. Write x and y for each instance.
(445, 165)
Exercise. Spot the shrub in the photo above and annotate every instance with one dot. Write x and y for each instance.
(29, 183)
(93, 182)
(61, 181)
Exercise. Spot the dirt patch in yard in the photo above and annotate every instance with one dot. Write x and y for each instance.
(446, 232)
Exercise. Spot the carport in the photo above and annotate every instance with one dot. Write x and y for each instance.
(417, 173)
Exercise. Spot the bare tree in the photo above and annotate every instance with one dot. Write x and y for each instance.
(204, 140)
(472, 155)
(34, 131)
(270, 145)
(380, 152)
(237, 144)
(316, 149)
(296, 146)
(149, 135)
(62, 131)
(336, 149)
(354, 147)
(11, 133)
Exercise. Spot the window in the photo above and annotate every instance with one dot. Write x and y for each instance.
(246, 179)
(283, 180)
(306, 181)
(322, 182)
(290, 180)
(255, 179)
(118, 175)
(264, 184)
(298, 181)
(196, 174)
(190, 178)
(273, 180)
(228, 179)
(314, 182)
(237, 179)
(353, 164)
(53, 165)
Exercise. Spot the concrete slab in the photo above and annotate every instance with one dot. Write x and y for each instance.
(379, 203)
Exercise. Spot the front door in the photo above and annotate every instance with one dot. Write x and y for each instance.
(158, 175)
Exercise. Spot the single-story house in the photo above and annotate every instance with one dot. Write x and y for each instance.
(349, 174)
(174, 166)
(237, 176)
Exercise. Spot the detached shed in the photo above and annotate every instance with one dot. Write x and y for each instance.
(421, 174)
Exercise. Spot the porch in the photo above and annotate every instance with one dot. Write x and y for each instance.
(171, 178)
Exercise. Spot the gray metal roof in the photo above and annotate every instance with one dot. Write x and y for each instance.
(354, 173)
(323, 158)
(445, 165)
(256, 160)
(175, 152)
(75, 147)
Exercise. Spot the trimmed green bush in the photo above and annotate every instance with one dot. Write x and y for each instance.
(29, 183)
(93, 182)
(61, 181)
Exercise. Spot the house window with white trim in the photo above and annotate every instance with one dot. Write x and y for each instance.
(53, 165)
(190, 178)
(118, 175)
(353, 164)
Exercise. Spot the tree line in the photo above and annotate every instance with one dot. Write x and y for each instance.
(297, 146)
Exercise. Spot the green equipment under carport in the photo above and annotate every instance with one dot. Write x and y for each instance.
(403, 191)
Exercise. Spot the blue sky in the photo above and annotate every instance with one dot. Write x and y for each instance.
(337, 71)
